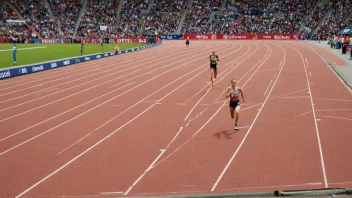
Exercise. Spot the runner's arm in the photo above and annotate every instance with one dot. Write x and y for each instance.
(240, 89)
(228, 94)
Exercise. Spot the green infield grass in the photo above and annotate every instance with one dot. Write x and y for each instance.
(36, 53)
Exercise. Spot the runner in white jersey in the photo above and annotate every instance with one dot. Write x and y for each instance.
(233, 93)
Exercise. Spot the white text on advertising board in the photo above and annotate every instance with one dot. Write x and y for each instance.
(37, 68)
(67, 62)
(5, 74)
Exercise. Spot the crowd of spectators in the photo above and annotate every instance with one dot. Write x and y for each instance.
(131, 18)
(36, 14)
(8, 30)
(66, 12)
(198, 19)
(341, 10)
(164, 16)
(98, 13)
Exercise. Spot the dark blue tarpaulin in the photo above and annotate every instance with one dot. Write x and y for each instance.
(344, 31)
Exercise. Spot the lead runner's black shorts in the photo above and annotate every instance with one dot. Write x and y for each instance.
(234, 104)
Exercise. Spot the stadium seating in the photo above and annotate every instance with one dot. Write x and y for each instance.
(133, 18)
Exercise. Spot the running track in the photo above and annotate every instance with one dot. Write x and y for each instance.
(148, 123)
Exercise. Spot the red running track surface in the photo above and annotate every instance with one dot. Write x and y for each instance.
(148, 123)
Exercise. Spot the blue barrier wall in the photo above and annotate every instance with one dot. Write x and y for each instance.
(28, 69)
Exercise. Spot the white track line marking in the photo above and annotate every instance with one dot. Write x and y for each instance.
(173, 139)
(334, 110)
(268, 70)
(315, 119)
(337, 117)
(180, 192)
(268, 87)
(250, 128)
(109, 193)
(189, 113)
(303, 114)
(150, 101)
(106, 137)
(341, 183)
(333, 99)
(145, 172)
(197, 116)
(289, 93)
(75, 143)
(250, 107)
(296, 97)
(279, 186)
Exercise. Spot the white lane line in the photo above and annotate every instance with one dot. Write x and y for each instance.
(145, 172)
(296, 97)
(251, 106)
(337, 117)
(278, 186)
(288, 93)
(197, 116)
(303, 114)
(268, 87)
(75, 143)
(333, 99)
(305, 63)
(173, 139)
(250, 128)
(110, 193)
(267, 70)
(150, 101)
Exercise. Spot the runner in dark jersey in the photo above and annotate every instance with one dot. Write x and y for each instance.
(82, 47)
(187, 42)
(213, 66)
